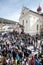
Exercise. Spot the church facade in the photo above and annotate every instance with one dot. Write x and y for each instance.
(32, 21)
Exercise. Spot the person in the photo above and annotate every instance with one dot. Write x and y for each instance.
(13, 54)
(18, 59)
(39, 54)
(42, 58)
(37, 62)
(4, 61)
(32, 62)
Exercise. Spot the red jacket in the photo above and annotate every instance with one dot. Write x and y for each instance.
(31, 62)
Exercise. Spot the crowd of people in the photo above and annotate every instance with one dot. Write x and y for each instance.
(13, 49)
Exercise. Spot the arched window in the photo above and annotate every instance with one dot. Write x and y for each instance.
(23, 22)
(22, 12)
(39, 20)
(37, 26)
(40, 27)
(0, 21)
(26, 21)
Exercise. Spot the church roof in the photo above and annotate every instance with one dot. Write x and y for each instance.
(41, 14)
(28, 10)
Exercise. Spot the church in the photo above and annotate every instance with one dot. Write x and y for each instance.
(32, 21)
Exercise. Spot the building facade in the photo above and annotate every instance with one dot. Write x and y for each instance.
(32, 21)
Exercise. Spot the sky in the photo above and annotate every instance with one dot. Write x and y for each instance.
(11, 9)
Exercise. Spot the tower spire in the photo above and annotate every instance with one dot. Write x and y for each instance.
(39, 8)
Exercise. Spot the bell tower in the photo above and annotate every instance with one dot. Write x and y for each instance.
(39, 9)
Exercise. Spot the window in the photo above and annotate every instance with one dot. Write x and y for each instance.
(37, 26)
(26, 21)
(39, 20)
(23, 22)
(34, 17)
(40, 27)
(0, 21)
(22, 12)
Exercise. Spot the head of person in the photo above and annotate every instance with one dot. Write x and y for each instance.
(32, 57)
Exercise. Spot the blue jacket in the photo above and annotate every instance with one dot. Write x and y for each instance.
(17, 58)
(36, 62)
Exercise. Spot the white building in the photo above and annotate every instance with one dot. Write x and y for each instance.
(27, 17)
